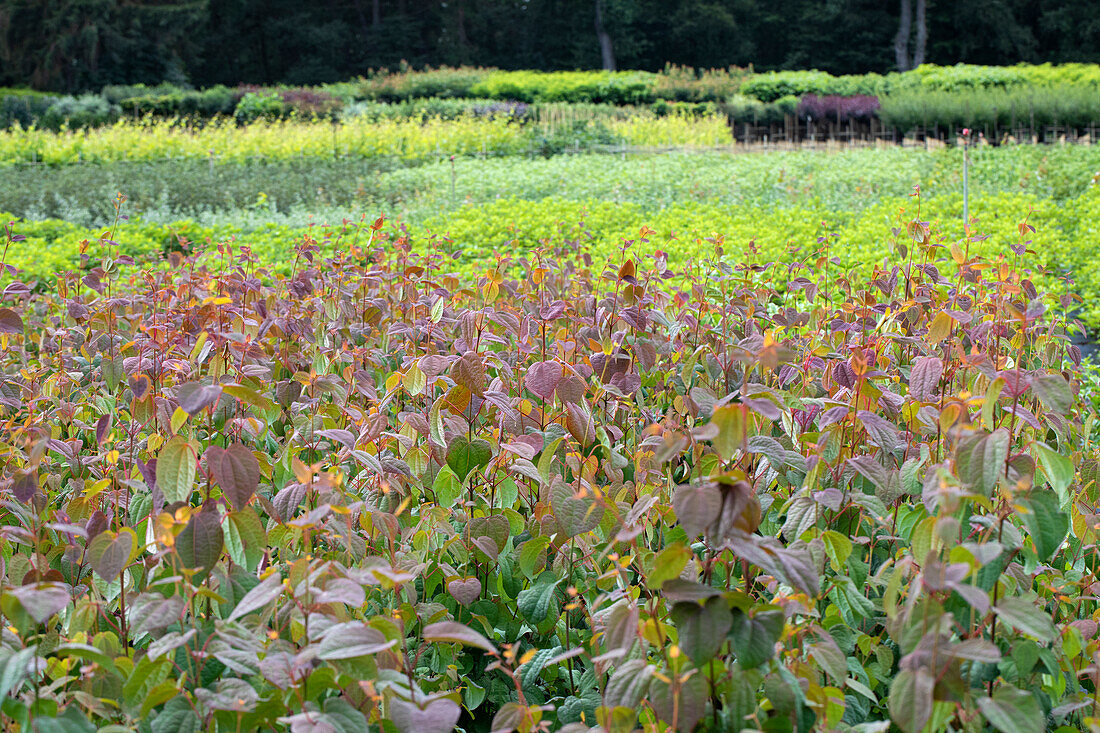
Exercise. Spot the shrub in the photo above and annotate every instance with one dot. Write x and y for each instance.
(838, 109)
(260, 106)
(774, 85)
(23, 107)
(88, 110)
(562, 489)
(406, 84)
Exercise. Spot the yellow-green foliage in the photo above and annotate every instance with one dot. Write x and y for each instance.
(282, 139)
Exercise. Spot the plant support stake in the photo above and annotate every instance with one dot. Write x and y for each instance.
(966, 179)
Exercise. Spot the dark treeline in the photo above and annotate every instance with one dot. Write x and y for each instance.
(73, 45)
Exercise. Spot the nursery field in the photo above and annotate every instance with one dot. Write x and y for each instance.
(411, 439)
(766, 207)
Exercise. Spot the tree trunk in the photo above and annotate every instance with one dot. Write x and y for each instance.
(376, 13)
(606, 51)
(463, 39)
(362, 19)
(901, 40)
(922, 35)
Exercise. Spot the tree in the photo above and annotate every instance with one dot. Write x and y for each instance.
(607, 53)
(901, 40)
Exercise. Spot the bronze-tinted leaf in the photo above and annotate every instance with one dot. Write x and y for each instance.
(236, 471)
(10, 321)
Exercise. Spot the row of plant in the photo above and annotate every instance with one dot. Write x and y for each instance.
(443, 92)
(568, 491)
(476, 232)
(409, 140)
(438, 91)
(253, 193)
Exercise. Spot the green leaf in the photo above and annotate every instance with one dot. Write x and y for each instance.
(1058, 469)
(702, 628)
(447, 487)
(177, 717)
(910, 699)
(1027, 617)
(176, 468)
(264, 593)
(685, 705)
(532, 556)
(1054, 392)
(730, 421)
(249, 396)
(754, 635)
(1046, 523)
(980, 459)
(837, 547)
(343, 718)
(248, 529)
(464, 456)
(668, 564)
(13, 670)
(1012, 710)
(536, 602)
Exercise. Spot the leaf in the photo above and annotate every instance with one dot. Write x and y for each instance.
(352, 640)
(924, 378)
(13, 670)
(754, 636)
(690, 706)
(200, 543)
(42, 600)
(110, 552)
(535, 602)
(176, 469)
(509, 718)
(542, 378)
(1046, 523)
(177, 717)
(10, 321)
(247, 529)
(702, 628)
(236, 471)
(1012, 710)
(169, 643)
(668, 564)
(249, 396)
(152, 611)
(697, 506)
(532, 555)
(24, 485)
(730, 421)
(1054, 392)
(1025, 616)
(452, 631)
(438, 716)
(910, 699)
(194, 397)
(465, 590)
(1058, 469)
(264, 593)
(628, 684)
(447, 487)
(465, 456)
(980, 459)
(575, 514)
